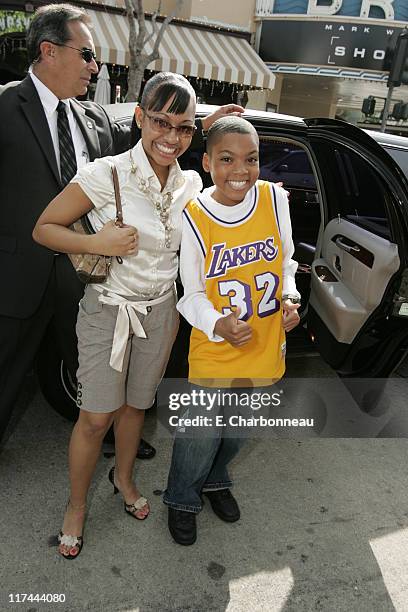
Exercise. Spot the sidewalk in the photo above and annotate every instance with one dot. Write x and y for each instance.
(324, 527)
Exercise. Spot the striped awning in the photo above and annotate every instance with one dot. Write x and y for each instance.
(186, 50)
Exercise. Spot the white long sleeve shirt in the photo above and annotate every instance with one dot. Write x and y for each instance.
(194, 305)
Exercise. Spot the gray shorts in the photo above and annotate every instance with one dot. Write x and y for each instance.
(101, 388)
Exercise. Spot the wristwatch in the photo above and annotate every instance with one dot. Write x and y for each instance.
(295, 299)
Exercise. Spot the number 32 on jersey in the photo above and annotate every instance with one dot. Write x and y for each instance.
(239, 294)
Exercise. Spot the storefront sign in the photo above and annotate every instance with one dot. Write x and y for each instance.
(14, 21)
(326, 43)
(371, 9)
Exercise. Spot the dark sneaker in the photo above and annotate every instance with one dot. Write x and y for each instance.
(224, 505)
(145, 450)
(182, 526)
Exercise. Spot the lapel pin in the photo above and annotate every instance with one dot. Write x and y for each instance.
(89, 124)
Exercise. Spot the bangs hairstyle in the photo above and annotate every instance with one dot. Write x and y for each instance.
(162, 87)
(228, 125)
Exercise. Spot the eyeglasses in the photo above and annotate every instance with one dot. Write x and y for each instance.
(87, 54)
(163, 126)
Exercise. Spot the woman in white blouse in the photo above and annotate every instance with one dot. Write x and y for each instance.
(126, 326)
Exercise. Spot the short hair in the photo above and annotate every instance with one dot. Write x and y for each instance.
(160, 88)
(228, 125)
(51, 23)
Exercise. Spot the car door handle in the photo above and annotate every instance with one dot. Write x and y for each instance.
(346, 247)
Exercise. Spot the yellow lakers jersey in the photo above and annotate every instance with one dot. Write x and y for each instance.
(243, 267)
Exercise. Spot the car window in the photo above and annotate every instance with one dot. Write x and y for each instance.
(286, 162)
(401, 157)
(354, 188)
(297, 162)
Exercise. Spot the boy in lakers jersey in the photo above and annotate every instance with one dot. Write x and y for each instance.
(240, 298)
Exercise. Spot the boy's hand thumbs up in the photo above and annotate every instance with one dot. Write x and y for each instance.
(233, 330)
(236, 314)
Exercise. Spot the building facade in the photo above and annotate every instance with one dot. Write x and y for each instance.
(303, 57)
(340, 55)
(201, 43)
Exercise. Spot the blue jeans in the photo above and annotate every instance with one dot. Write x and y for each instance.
(199, 464)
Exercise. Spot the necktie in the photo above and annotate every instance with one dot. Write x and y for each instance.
(66, 146)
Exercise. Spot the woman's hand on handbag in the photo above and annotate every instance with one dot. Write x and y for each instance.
(113, 240)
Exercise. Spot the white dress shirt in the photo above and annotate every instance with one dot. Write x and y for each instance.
(194, 305)
(50, 103)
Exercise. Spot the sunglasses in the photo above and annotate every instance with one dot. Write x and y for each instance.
(87, 54)
(164, 127)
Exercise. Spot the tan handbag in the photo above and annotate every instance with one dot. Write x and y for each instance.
(95, 268)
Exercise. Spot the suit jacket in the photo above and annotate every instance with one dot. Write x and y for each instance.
(29, 180)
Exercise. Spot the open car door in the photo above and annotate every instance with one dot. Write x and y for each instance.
(358, 308)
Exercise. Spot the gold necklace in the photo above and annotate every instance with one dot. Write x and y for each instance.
(160, 202)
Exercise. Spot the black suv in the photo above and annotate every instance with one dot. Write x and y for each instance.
(349, 209)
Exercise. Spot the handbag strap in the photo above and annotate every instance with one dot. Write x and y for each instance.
(118, 201)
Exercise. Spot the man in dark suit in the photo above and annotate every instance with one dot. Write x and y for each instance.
(39, 287)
